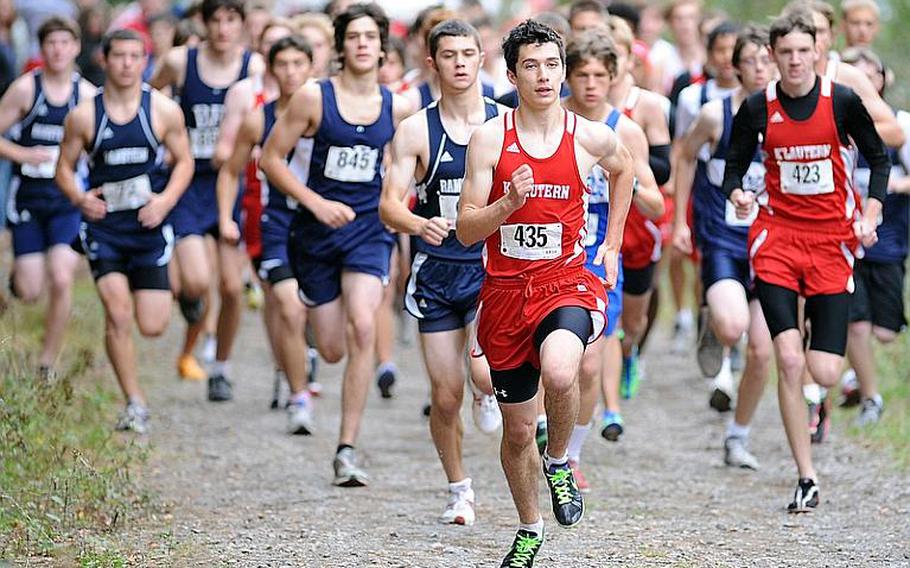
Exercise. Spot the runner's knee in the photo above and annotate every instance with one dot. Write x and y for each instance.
(518, 431)
(884, 335)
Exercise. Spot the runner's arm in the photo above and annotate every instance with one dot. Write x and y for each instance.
(76, 133)
(177, 143)
(750, 122)
(13, 107)
(476, 219)
(703, 131)
(657, 132)
(646, 196)
(885, 122)
(617, 161)
(237, 103)
(228, 184)
(171, 70)
(404, 152)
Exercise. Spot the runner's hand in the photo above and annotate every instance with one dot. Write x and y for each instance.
(333, 213)
(228, 231)
(865, 232)
(522, 183)
(154, 212)
(744, 201)
(609, 258)
(682, 238)
(434, 230)
(35, 155)
(92, 206)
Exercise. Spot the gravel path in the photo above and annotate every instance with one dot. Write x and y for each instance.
(235, 490)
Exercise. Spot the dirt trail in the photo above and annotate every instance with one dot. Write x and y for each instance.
(238, 491)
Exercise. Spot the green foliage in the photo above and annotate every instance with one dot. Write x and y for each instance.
(63, 471)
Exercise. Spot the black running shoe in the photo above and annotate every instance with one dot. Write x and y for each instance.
(541, 436)
(220, 389)
(192, 309)
(805, 498)
(523, 550)
(385, 381)
(819, 423)
(720, 401)
(568, 504)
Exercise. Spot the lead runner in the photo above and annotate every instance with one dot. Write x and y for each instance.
(524, 193)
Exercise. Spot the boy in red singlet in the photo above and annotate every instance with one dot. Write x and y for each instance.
(524, 194)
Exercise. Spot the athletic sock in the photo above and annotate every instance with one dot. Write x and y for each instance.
(535, 528)
(735, 430)
(222, 368)
(460, 486)
(684, 318)
(550, 462)
(576, 441)
(343, 446)
(387, 366)
(813, 393)
(298, 397)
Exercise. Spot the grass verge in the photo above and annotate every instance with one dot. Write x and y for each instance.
(65, 476)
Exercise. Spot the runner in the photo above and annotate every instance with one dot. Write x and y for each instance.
(877, 304)
(338, 248)
(243, 96)
(42, 221)
(202, 76)
(126, 129)
(539, 307)
(861, 19)
(732, 308)
(445, 277)
(289, 63)
(642, 238)
(591, 60)
(801, 242)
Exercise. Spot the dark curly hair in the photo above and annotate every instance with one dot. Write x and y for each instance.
(529, 32)
(355, 12)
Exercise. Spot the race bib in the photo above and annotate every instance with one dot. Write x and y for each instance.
(128, 194)
(351, 164)
(531, 242)
(44, 170)
(448, 207)
(202, 142)
(591, 228)
(807, 178)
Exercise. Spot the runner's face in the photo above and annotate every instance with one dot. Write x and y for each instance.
(822, 32)
(291, 69)
(589, 83)
(59, 50)
(721, 57)
(362, 45)
(273, 34)
(860, 27)
(684, 24)
(458, 60)
(795, 55)
(322, 49)
(755, 67)
(873, 72)
(224, 29)
(539, 73)
(392, 69)
(587, 20)
(125, 63)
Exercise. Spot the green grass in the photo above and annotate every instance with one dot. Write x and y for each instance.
(65, 476)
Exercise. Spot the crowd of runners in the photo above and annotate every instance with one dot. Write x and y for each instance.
(518, 188)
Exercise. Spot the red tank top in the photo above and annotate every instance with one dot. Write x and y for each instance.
(548, 233)
(808, 180)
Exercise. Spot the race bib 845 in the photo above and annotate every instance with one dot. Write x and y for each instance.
(352, 163)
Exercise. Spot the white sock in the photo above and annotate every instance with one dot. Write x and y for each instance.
(813, 393)
(460, 486)
(220, 368)
(387, 366)
(536, 528)
(549, 462)
(577, 440)
(684, 318)
(734, 430)
(302, 396)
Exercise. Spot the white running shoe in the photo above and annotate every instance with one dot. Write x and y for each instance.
(135, 418)
(459, 509)
(737, 454)
(300, 417)
(724, 389)
(347, 472)
(487, 416)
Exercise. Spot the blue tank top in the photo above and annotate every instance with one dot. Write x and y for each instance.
(203, 109)
(298, 161)
(127, 162)
(716, 224)
(43, 126)
(598, 207)
(892, 245)
(438, 192)
(426, 95)
(347, 158)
